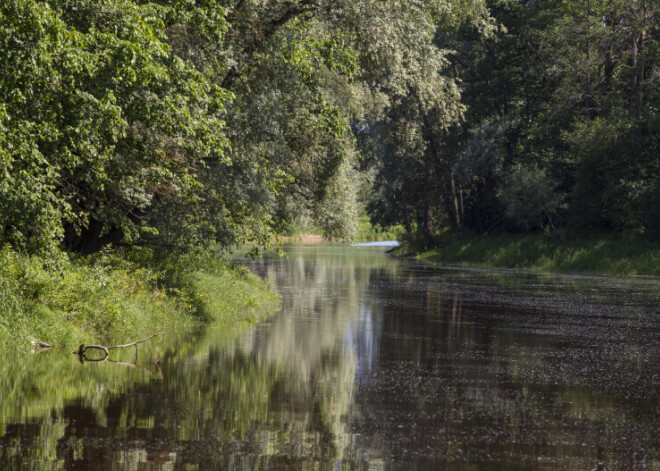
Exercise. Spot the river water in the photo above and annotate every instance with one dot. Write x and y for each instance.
(374, 363)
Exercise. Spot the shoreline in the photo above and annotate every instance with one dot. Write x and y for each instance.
(65, 301)
(303, 239)
(609, 254)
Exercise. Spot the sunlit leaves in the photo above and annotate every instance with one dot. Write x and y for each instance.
(191, 121)
(112, 116)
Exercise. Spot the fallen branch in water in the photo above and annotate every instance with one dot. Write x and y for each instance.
(131, 364)
(84, 348)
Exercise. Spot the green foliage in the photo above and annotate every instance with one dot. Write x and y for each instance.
(558, 125)
(286, 128)
(99, 119)
(606, 253)
(64, 301)
(182, 123)
(67, 300)
(529, 196)
(212, 289)
(367, 232)
(179, 124)
(483, 156)
(613, 183)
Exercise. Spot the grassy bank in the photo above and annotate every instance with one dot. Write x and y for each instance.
(614, 254)
(106, 298)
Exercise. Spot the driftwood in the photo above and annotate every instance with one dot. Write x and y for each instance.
(106, 350)
(131, 364)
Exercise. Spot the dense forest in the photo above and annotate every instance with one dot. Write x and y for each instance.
(186, 122)
(558, 126)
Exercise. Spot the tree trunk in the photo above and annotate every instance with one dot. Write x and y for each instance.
(428, 220)
(637, 68)
(637, 85)
(460, 192)
(89, 239)
(455, 205)
(588, 84)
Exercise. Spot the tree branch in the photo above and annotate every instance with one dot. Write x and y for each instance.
(106, 350)
(294, 11)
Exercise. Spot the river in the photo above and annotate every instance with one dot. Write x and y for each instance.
(373, 363)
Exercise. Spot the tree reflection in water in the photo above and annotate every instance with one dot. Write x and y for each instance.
(373, 363)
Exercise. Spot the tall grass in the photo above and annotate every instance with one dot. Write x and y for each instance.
(621, 254)
(215, 290)
(67, 300)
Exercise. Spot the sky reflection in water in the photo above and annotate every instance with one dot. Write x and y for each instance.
(373, 363)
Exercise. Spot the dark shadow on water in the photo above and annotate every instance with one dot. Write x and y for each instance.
(373, 363)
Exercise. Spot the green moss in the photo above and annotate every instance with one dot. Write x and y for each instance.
(66, 300)
(615, 254)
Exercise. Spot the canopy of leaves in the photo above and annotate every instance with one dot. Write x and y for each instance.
(177, 122)
(558, 126)
(99, 119)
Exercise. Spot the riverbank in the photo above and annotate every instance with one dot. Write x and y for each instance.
(302, 238)
(366, 232)
(612, 254)
(111, 298)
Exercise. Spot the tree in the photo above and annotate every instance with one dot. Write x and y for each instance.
(100, 120)
(416, 181)
(559, 118)
(529, 196)
(177, 123)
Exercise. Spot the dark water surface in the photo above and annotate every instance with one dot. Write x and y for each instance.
(373, 363)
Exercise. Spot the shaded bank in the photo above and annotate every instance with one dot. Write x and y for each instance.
(604, 254)
(66, 300)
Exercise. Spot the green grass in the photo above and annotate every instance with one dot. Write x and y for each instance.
(615, 254)
(65, 300)
(217, 291)
(370, 233)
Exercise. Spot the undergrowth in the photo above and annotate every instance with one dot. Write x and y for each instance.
(210, 287)
(66, 300)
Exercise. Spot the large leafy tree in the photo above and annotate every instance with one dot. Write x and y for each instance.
(100, 118)
(303, 71)
(415, 182)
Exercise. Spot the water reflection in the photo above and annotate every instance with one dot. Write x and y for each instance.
(373, 363)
